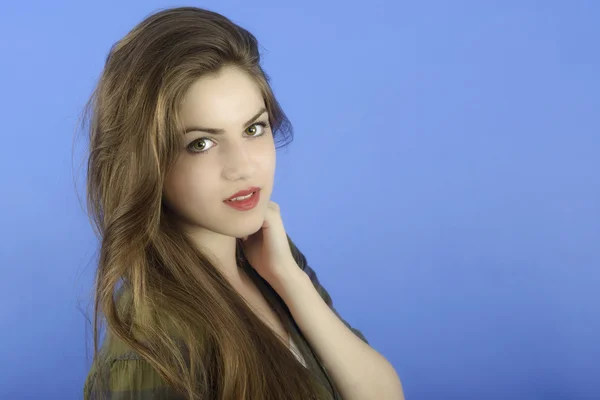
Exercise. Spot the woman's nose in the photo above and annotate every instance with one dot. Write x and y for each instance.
(238, 160)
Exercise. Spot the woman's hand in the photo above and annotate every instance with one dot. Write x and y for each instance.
(268, 250)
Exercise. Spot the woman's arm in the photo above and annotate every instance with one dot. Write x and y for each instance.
(359, 372)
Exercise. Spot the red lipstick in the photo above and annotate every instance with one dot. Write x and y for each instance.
(245, 204)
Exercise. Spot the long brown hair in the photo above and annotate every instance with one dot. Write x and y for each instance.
(184, 318)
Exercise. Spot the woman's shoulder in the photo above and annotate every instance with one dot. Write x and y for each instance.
(121, 373)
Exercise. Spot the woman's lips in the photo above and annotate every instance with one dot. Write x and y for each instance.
(244, 192)
(246, 204)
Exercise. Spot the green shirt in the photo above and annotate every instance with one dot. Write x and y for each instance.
(131, 377)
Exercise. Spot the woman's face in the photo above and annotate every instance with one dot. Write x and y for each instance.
(212, 167)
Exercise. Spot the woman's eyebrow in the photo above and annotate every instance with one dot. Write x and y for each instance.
(215, 131)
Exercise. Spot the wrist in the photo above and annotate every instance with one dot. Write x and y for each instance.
(289, 278)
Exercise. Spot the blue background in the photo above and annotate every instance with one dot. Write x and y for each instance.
(443, 182)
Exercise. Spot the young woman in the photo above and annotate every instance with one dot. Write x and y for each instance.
(204, 294)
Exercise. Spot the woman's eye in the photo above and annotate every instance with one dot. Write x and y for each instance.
(263, 126)
(197, 147)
